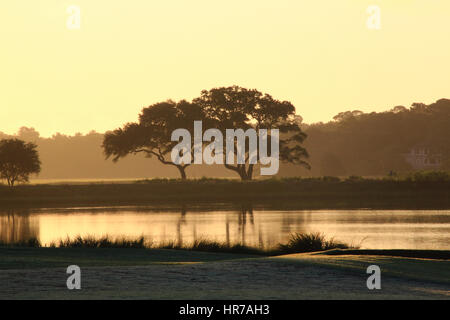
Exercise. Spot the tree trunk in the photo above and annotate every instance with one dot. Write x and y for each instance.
(246, 175)
(243, 175)
(182, 172)
(250, 172)
(240, 169)
(10, 182)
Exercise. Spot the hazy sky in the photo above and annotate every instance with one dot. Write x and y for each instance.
(320, 55)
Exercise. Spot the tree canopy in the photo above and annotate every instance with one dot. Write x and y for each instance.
(237, 107)
(151, 135)
(18, 160)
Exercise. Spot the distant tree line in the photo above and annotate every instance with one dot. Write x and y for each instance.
(357, 143)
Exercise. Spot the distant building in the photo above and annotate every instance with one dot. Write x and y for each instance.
(422, 158)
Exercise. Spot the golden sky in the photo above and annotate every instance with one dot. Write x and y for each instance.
(320, 55)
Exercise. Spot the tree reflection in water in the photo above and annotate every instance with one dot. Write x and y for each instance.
(246, 210)
(17, 225)
(245, 218)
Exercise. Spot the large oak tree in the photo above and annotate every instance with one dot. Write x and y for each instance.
(240, 108)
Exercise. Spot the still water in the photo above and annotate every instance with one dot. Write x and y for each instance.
(372, 229)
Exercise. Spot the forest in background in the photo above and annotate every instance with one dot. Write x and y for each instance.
(353, 143)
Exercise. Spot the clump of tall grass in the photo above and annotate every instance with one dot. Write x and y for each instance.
(102, 242)
(310, 242)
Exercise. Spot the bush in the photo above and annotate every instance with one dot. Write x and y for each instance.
(103, 242)
(354, 179)
(330, 179)
(310, 242)
(429, 176)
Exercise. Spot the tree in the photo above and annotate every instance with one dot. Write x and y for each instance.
(343, 116)
(18, 160)
(240, 108)
(151, 135)
(28, 134)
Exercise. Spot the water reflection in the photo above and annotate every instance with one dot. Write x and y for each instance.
(408, 229)
(245, 218)
(17, 226)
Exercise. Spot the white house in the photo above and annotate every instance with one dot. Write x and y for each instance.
(422, 158)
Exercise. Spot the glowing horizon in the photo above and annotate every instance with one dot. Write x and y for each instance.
(320, 56)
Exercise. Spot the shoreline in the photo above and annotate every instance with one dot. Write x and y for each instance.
(284, 193)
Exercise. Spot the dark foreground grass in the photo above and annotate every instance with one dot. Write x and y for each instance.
(298, 243)
(406, 253)
(308, 193)
(20, 256)
(35, 258)
(205, 245)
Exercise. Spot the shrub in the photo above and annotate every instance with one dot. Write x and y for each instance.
(330, 179)
(354, 179)
(429, 176)
(310, 242)
(103, 242)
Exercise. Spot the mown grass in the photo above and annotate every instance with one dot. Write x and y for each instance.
(298, 243)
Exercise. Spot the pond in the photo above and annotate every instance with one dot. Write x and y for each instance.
(371, 229)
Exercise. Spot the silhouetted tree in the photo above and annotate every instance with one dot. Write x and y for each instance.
(18, 160)
(239, 108)
(152, 134)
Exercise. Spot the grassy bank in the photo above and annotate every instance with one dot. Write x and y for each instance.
(105, 251)
(312, 193)
(298, 243)
(35, 258)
